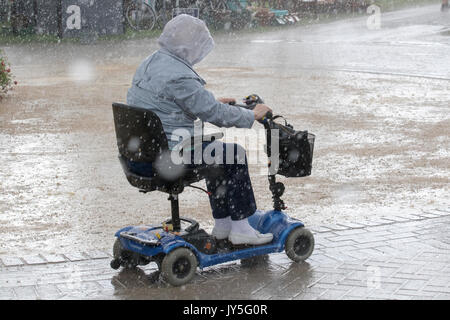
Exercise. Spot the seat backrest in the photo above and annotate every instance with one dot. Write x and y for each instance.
(139, 132)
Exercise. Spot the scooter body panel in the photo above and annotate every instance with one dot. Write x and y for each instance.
(153, 240)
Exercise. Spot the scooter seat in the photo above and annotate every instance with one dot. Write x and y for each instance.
(143, 146)
(159, 183)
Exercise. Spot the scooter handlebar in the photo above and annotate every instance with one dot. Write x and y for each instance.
(269, 114)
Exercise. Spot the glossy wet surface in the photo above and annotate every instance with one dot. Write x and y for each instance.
(377, 100)
(406, 258)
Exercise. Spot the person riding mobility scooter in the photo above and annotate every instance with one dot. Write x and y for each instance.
(178, 246)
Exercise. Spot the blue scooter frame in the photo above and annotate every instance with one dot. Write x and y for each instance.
(177, 251)
(150, 241)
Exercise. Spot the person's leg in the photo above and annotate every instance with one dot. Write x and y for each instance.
(231, 193)
(216, 181)
(216, 186)
(230, 188)
(240, 197)
(236, 193)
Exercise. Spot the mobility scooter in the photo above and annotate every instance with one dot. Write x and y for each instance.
(178, 246)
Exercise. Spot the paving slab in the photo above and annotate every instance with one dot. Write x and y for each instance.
(397, 260)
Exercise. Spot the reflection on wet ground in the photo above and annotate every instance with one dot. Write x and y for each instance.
(382, 129)
(400, 257)
(239, 280)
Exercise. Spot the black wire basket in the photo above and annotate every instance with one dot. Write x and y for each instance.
(295, 152)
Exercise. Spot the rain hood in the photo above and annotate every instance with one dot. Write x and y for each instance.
(188, 38)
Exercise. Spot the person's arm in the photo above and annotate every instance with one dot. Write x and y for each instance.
(227, 100)
(194, 99)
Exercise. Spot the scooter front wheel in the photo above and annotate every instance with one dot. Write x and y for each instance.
(299, 244)
(178, 266)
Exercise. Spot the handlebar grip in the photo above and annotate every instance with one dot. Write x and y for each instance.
(268, 116)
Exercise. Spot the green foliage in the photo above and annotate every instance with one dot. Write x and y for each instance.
(6, 81)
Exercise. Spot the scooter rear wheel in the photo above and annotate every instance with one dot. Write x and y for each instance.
(299, 244)
(122, 257)
(178, 266)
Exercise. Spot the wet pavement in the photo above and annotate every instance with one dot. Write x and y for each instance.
(403, 257)
(377, 101)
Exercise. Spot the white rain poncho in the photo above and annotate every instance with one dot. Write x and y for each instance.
(188, 38)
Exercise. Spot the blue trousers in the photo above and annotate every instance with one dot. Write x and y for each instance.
(230, 188)
(229, 185)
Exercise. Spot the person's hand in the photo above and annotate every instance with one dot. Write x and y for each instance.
(227, 100)
(260, 111)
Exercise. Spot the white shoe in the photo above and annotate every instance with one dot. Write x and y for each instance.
(220, 234)
(253, 238)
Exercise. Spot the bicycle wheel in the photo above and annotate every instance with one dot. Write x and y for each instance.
(219, 5)
(140, 16)
(208, 6)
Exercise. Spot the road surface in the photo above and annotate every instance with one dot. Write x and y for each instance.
(377, 100)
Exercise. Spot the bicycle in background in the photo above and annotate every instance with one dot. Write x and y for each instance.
(145, 14)
(141, 14)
